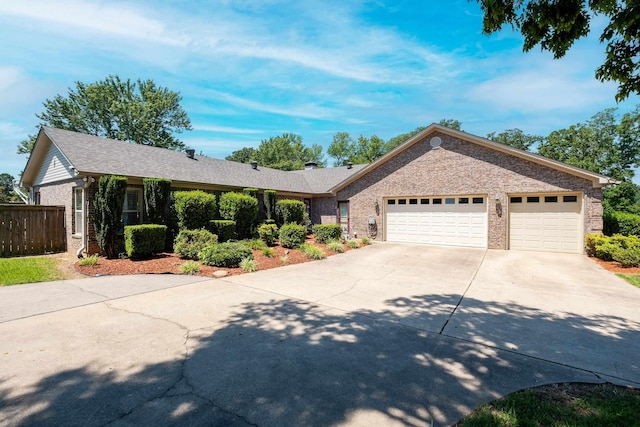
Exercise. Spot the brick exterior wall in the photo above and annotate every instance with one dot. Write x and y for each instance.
(61, 194)
(458, 168)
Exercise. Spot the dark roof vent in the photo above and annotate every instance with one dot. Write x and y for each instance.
(310, 165)
(349, 165)
(190, 152)
(254, 164)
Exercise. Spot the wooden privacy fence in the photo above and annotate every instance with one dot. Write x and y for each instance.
(31, 230)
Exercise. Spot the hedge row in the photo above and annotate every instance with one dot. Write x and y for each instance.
(189, 243)
(228, 254)
(624, 223)
(622, 249)
(324, 233)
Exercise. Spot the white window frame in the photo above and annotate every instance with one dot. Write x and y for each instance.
(125, 207)
(78, 211)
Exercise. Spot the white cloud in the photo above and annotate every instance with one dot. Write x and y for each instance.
(114, 19)
(225, 129)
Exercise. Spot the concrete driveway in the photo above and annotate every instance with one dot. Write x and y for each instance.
(389, 334)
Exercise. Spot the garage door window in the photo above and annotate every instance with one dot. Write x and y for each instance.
(437, 201)
(450, 201)
(551, 199)
(391, 202)
(516, 200)
(533, 199)
(570, 199)
(478, 200)
(463, 201)
(413, 201)
(402, 201)
(424, 201)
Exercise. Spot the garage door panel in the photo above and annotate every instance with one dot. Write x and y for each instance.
(545, 226)
(458, 224)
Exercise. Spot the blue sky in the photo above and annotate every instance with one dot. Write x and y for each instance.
(250, 69)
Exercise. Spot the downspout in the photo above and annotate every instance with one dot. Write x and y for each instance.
(85, 216)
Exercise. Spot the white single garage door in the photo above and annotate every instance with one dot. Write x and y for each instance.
(546, 222)
(455, 221)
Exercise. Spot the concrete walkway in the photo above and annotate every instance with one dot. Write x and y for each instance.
(389, 334)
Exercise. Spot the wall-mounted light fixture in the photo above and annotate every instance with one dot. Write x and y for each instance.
(497, 197)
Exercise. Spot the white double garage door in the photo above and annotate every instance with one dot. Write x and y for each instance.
(539, 222)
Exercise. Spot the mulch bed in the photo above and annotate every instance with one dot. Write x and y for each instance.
(616, 267)
(169, 263)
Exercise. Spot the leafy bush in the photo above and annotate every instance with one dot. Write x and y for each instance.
(156, 198)
(190, 267)
(335, 246)
(249, 265)
(108, 212)
(228, 254)
(189, 243)
(195, 209)
(268, 252)
(292, 235)
(327, 232)
(290, 211)
(365, 241)
(253, 192)
(268, 233)
(311, 251)
(619, 248)
(224, 229)
(90, 260)
(142, 241)
(624, 223)
(269, 199)
(255, 244)
(242, 209)
(353, 244)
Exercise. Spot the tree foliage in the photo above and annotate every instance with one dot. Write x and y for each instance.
(603, 144)
(140, 112)
(363, 150)
(515, 138)
(107, 215)
(623, 197)
(556, 25)
(284, 152)
(6, 188)
(451, 123)
(399, 139)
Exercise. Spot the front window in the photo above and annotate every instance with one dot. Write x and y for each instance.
(132, 207)
(78, 217)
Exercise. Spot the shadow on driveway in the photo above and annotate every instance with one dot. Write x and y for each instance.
(285, 362)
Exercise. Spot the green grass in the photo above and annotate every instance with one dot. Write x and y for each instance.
(561, 405)
(15, 271)
(634, 279)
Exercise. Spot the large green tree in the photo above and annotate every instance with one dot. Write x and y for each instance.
(399, 139)
(556, 25)
(516, 138)
(243, 155)
(604, 144)
(287, 152)
(363, 150)
(140, 112)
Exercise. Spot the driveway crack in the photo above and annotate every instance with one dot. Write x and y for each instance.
(475, 273)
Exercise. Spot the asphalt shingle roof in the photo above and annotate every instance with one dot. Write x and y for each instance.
(93, 154)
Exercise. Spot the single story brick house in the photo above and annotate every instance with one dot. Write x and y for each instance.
(441, 187)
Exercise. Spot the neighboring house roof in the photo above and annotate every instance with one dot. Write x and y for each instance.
(597, 179)
(92, 155)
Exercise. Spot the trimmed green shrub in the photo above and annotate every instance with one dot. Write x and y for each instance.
(290, 211)
(365, 241)
(335, 246)
(627, 257)
(156, 198)
(624, 223)
(312, 252)
(242, 209)
(292, 235)
(619, 248)
(90, 260)
(224, 229)
(108, 212)
(269, 199)
(142, 241)
(253, 192)
(195, 209)
(268, 233)
(189, 243)
(228, 254)
(327, 232)
(591, 241)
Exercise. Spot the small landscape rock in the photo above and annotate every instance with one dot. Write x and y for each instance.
(220, 273)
